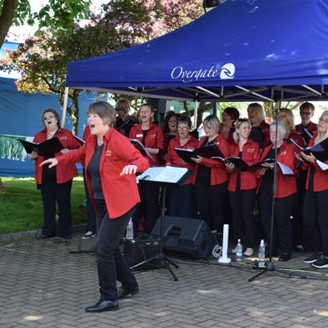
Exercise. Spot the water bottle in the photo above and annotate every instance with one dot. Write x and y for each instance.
(261, 259)
(129, 230)
(239, 251)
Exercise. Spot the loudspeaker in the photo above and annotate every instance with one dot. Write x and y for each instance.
(140, 249)
(186, 235)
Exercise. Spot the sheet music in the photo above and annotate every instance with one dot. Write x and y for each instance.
(286, 170)
(169, 174)
(323, 166)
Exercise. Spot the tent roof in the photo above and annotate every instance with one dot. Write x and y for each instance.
(240, 51)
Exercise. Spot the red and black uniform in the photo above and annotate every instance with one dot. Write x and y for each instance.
(115, 197)
(149, 209)
(306, 131)
(242, 191)
(181, 199)
(55, 185)
(211, 185)
(285, 194)
(261, 134)
(316, 205)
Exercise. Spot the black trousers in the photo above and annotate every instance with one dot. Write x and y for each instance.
(209, 201)
(111, 263)
(282, 226)
(53, 193)
(149, 208)
(315, 216)
(242, 206)
(181, 201)
(91, 214)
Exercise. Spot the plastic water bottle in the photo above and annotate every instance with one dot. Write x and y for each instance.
(239, 251)
(261, 259)
(129, 230)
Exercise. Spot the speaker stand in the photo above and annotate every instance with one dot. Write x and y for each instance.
(164, 261)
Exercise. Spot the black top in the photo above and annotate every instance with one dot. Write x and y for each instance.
(94, 171)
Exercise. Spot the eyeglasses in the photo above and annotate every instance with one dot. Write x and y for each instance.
(323, 120)
(305, 113)
(46, 118)
(281, 116)
(183, 128)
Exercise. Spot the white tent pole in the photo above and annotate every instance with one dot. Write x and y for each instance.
(196, 112)
(64, 107)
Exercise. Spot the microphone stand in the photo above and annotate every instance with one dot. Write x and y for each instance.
(269, 265)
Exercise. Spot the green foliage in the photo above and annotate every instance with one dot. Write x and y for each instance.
(21, 204)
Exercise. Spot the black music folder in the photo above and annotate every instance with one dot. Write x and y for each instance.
(206, 151)
(319, 151)
(46, 148)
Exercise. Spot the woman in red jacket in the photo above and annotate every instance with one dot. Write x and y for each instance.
(55, 184)
(151, 136)
(111, 162)
(284, 195)
(181, 198)
(316, 199)
(242, 185)
(211, 177)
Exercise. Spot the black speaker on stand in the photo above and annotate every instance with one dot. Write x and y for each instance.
(187, 236)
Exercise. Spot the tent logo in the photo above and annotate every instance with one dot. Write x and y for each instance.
(227, 71)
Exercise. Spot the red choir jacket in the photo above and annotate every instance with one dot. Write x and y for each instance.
(63, 173)
(218, 169)
(250, 155)
(120, 192)
(175, 160)
(320, 179)
(286, 184)
(154, 139)
(298, 139)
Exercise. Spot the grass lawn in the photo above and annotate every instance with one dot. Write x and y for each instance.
(21, 205)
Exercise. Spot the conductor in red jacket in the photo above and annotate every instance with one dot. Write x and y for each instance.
(111, 162)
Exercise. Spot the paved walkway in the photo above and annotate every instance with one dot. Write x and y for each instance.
(44, 285)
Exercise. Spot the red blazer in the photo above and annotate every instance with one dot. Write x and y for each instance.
(218, 169)
(120, 192)
(250, 155)
(63, 173)
(86, 133)
(298, 139)
(286, 184)
(154, 139)
(320, 179)
(175, 160)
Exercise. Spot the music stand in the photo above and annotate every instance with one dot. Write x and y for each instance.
(164, 176)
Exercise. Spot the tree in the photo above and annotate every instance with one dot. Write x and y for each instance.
(56, 15)
(121, 24)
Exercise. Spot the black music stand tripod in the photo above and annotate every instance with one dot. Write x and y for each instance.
(173, 175)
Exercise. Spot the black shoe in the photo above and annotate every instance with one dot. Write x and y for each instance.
(123, 292)
(102, 306)
(299, 248)
(285, 257)
(42, 236)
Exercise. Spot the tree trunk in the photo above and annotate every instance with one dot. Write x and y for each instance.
(8, 11)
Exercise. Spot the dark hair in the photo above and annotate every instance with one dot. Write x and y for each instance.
(120, 104)
(168, 115)
(307, 105)
(232, 112)
(104, 110)
(50, 110)
(184, 118)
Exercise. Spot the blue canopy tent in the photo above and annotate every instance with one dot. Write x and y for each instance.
(241, 50)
